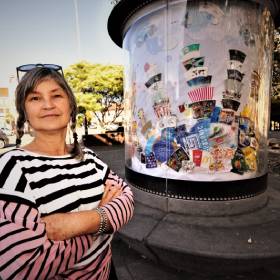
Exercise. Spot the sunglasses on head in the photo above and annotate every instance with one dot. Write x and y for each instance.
(28, 67)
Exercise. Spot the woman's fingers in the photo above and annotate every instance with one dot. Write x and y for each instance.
(117, 193)
(53, 228)
(106, 190)
(110, 192)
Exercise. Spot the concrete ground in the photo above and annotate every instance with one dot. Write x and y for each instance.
(130, 265)
(133, 265)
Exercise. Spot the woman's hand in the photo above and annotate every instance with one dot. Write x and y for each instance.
(110, 192)
(56, 227)
(63, 226)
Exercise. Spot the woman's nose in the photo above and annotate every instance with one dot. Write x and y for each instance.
(48, 103)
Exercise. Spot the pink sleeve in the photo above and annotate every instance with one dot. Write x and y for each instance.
(26, 252)
(120, 209)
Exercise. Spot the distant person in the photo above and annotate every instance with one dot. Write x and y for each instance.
(59, 204)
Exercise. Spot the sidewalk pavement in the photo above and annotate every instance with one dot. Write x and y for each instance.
(132, 265)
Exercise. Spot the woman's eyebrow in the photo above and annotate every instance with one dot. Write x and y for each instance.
(38, 92)
(33, 92)
(56, 89)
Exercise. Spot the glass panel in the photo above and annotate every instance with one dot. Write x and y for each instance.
(198, 93)
(147, 103)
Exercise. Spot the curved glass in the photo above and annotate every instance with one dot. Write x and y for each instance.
(198, 92)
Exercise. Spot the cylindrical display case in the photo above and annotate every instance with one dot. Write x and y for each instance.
(197, 97)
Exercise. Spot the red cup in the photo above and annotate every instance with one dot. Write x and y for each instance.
(197, 157)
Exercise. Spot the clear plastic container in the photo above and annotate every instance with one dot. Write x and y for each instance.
(197, 98)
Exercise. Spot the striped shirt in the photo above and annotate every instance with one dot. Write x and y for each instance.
(32, 186)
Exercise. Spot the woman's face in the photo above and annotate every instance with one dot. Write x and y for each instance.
(47, 107)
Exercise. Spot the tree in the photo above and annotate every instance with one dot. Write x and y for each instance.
(276, 68)
(10, 119)
(98, 88)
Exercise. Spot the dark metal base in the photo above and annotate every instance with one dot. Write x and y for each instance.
(125, 9)
(195, 190)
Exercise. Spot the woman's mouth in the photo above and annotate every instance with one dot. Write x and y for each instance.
(50, 115)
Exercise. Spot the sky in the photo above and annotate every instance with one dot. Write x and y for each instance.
(62, 32)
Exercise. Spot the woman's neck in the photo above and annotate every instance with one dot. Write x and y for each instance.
(53, 145)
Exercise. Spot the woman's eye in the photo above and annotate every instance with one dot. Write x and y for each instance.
(34, 98)
(57, 96)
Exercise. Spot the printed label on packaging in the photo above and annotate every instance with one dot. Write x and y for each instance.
(188, 165)
(197, 157)
(244, 124)
(193, 142)
(151, 161)
(181, 135)
(163, 150)
(215, 115)
(175, 161)
(190, 51)
(203, 109)
(195, 72)
(235, 65)
(200, 81)
(168, 134)
(143, 158)
(162, 108)
(237, 55)
(167, 121)
(230, 104)
(231, 95)
(235, 75)
(194, 62)
(200, 94)
(238, 162)
(217, 134)
(250, 158)
(202, 128)
(181, 108)
(243, 139)
(181, 154)
(227, 116)
(174, 164)
(153, 80)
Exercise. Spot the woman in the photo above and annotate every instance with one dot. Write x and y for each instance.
(60, 204)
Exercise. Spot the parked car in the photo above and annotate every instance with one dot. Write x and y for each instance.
(4, 140)
(7, 131)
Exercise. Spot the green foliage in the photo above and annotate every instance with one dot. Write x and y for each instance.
(98, 88)
(9, 118)
(80, 119)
